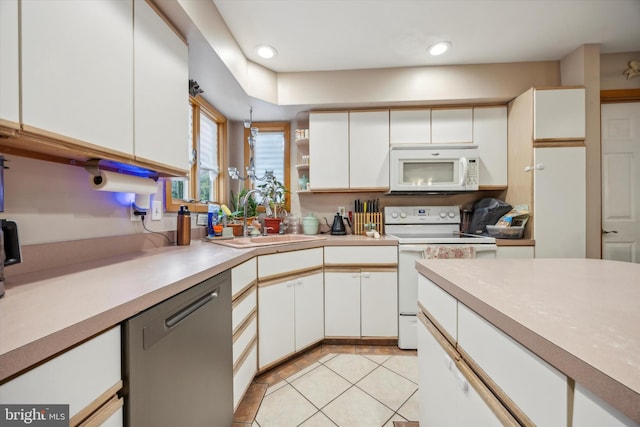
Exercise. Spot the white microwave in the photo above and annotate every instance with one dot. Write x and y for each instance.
(434, 168)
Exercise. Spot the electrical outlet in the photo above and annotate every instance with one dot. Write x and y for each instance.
(133, 216)
(201, 219)
(341, 210)
(156, 210)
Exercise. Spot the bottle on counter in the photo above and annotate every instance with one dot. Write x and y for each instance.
(183, 230)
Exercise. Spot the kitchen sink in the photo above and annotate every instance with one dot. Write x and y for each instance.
(276, 239)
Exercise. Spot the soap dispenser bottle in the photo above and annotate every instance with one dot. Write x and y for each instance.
(183, 231)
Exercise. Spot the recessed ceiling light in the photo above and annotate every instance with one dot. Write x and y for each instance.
(266, 52)
(439, 48)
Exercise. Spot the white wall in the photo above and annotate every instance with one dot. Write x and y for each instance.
(53, 202)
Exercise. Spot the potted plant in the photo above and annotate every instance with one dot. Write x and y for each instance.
(237, 211)
(274, 193)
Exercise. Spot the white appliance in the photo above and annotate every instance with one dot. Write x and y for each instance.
(417, 228)
(434, 168)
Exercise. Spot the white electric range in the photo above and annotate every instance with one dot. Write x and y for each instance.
(417, 229)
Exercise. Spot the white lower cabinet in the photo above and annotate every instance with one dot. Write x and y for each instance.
(244, 321)
(361, 303)
(342, 304)
(515, 252)
(591, 411)
(87, 378)
(290, 317)
(537, 388)
(450, 394)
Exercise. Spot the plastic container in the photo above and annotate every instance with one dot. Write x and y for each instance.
(183, 230)
(505, 232)
(310, 224)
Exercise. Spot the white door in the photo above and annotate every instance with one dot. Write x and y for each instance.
(621, 181)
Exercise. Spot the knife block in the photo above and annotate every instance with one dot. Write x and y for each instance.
(360, 219)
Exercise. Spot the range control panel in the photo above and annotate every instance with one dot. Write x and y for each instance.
(422, 215)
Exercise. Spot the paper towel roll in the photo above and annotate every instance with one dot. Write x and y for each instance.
(121, 183)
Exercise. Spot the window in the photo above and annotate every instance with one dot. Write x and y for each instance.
(271, 152)
(207, 132)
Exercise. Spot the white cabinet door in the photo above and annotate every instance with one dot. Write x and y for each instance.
(368, 149)
(329, 150)
(452, 126)
(309, 310)
(275, 322)
(342, 304)
(538, 389)
(559, 192)
(591, 411)
(379, 304)
(9, 65)
(76, 377)
(559, 114)
(490, 135)
(437, 389)
(410, 126)
(161, 62)
(77, 70)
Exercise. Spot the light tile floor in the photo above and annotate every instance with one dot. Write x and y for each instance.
(354, 386)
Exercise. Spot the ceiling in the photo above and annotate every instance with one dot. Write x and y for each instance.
(322, 35)
(313, 35)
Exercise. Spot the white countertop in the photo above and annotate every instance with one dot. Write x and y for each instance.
(580, 315)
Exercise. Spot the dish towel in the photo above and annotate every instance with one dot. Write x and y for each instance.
(449, 252)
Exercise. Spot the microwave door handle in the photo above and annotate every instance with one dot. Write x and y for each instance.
(463, 175)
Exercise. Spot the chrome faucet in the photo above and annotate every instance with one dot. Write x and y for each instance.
(245, 232)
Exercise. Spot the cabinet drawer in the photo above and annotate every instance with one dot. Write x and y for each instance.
(360, 255)
(76, 377)
(242, 308)
(537, 388)
(244, 337)
(288, 263)
(243, 376)
(242, 276)
(442, 307)
(591, 411)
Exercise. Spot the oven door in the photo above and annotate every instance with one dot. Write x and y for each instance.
(408, 287)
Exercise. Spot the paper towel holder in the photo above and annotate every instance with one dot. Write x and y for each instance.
(93, 166)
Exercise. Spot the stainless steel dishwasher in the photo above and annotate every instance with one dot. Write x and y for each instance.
(179, 362)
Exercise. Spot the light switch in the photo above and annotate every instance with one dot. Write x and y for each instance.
(156, 210)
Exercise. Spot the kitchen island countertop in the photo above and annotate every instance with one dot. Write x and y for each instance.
(580, 315)
(46, 312)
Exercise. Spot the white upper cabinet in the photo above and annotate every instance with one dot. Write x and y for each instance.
(9, 68)
(77, 70)
(410, 126)
(559, 114)
(368, 149)
(490, 135)
(329, 150)
(161, 78)
(452, 126)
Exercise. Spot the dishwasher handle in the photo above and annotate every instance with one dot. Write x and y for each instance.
(178, 317)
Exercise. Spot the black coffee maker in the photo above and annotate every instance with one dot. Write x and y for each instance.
(9, 244)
